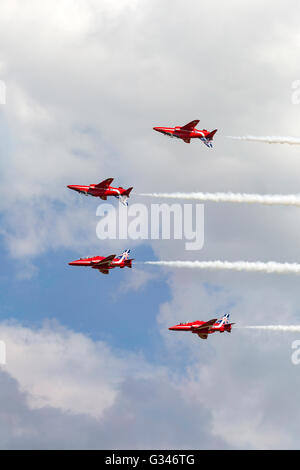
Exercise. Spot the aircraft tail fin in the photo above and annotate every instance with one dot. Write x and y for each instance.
(210, 136)
(128, 191)
(123, 197)
(208, 139)
(125, 258)
(125, 255)
(224, 320)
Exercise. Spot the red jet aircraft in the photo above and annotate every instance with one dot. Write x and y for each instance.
(104, 264)
(203, 329)
(188, 132)
(103, 190)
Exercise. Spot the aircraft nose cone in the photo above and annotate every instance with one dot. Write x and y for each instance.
(73, 263)
(158, 129)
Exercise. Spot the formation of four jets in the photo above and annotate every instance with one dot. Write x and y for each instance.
(105, 264)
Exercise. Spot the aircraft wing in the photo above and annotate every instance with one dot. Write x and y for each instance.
(103, 271)
(206, 325)
(202, 335)
(81, 191)
(190, 126)
(187, 141)
(105, 183)
(104, 263)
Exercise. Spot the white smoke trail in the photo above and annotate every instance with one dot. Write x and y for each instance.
(269, 267)
(291, 328)
(268, 199)
(268, 139)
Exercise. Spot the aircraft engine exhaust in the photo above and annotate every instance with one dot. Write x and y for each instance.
(247, 266)
(267, 139)
(288, 328)
(268, 199)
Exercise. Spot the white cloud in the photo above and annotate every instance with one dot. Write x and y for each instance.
(136, 280)
(71, 392)
(67, 370)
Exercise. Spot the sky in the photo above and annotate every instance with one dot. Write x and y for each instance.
(90, 361)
